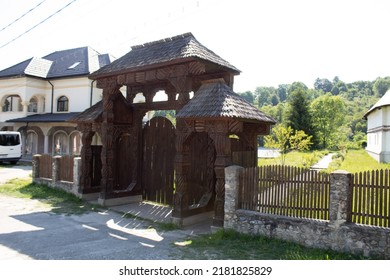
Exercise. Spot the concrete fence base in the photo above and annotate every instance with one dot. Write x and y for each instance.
(54, 181)
(336, 234)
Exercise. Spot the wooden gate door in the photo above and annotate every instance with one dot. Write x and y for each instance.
(158, 160)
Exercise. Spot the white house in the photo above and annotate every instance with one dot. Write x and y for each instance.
(378, 129)
(39, 95)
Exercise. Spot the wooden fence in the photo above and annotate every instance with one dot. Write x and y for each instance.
(46, 166)
(65, 172)
(66, 168)
(370, 203)
(303, 193)
(285, 190)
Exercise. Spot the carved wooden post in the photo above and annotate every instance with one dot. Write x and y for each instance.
(181, 202)
(86, 157)
(110, 88)
(223, 159)
(251, 131)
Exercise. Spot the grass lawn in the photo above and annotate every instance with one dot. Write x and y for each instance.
(295, 158)
(57, 200)
(359, 160)
(352, 161)
(230, 245)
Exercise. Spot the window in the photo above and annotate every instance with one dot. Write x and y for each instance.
(62, 104)
(31, 143)
(33, 105)
(60, 143)
(75, 143)
(9, 139)
(12, 103)
(74, 65)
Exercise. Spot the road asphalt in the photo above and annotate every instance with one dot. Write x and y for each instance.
(29, 230)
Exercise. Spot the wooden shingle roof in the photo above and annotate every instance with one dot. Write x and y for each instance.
(215, 99)
(163, 52)
(90, 115)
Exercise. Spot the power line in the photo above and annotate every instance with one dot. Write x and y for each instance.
(32, 9)
(9, 42)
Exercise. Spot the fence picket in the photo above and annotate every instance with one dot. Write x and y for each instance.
(297, 192)
(284, 190)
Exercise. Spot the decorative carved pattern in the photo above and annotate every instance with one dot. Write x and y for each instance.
(197, 68)
(107, 83)
(223, 159)
(111, 88)
(86, 155)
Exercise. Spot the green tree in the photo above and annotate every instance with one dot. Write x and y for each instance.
(323, 84)
(264, 95)
(286, 139)
(248, 96)
(327, 116)
(294, 86)
(381, 85)
(298, 111)
(282, 92)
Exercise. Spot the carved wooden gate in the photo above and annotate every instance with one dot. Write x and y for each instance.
(158, 160)
(96, 165)
(201, 178)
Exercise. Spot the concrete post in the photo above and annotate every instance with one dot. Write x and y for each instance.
(56, 169)
(340, 197)
(232, 186)
(35, 166)
(76, 172)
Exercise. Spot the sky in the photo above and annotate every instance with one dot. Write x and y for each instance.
(271, 42)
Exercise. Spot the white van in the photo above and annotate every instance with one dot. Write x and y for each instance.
(10, 146)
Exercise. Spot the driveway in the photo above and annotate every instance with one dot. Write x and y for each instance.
(8, 172)
(29, 230)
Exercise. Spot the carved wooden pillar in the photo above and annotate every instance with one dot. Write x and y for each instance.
(110, 88)
(136, 139)
(223, 159)
(86, 157)
(182, 166)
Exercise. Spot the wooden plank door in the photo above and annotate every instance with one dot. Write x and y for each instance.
(158, 160)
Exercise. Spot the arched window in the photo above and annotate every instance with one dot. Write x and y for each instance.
(31, 143)
(62, 104)
(12, 103)
(60, 144)
(75, 143)
(33, 105)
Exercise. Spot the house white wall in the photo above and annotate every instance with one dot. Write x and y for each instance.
(77, 90)
(378, 134)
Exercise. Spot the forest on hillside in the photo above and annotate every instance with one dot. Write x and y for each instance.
(331, 112)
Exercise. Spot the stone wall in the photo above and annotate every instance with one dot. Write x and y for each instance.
(336, 234)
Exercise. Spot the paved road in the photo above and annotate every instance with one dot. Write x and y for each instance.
(28, 230)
